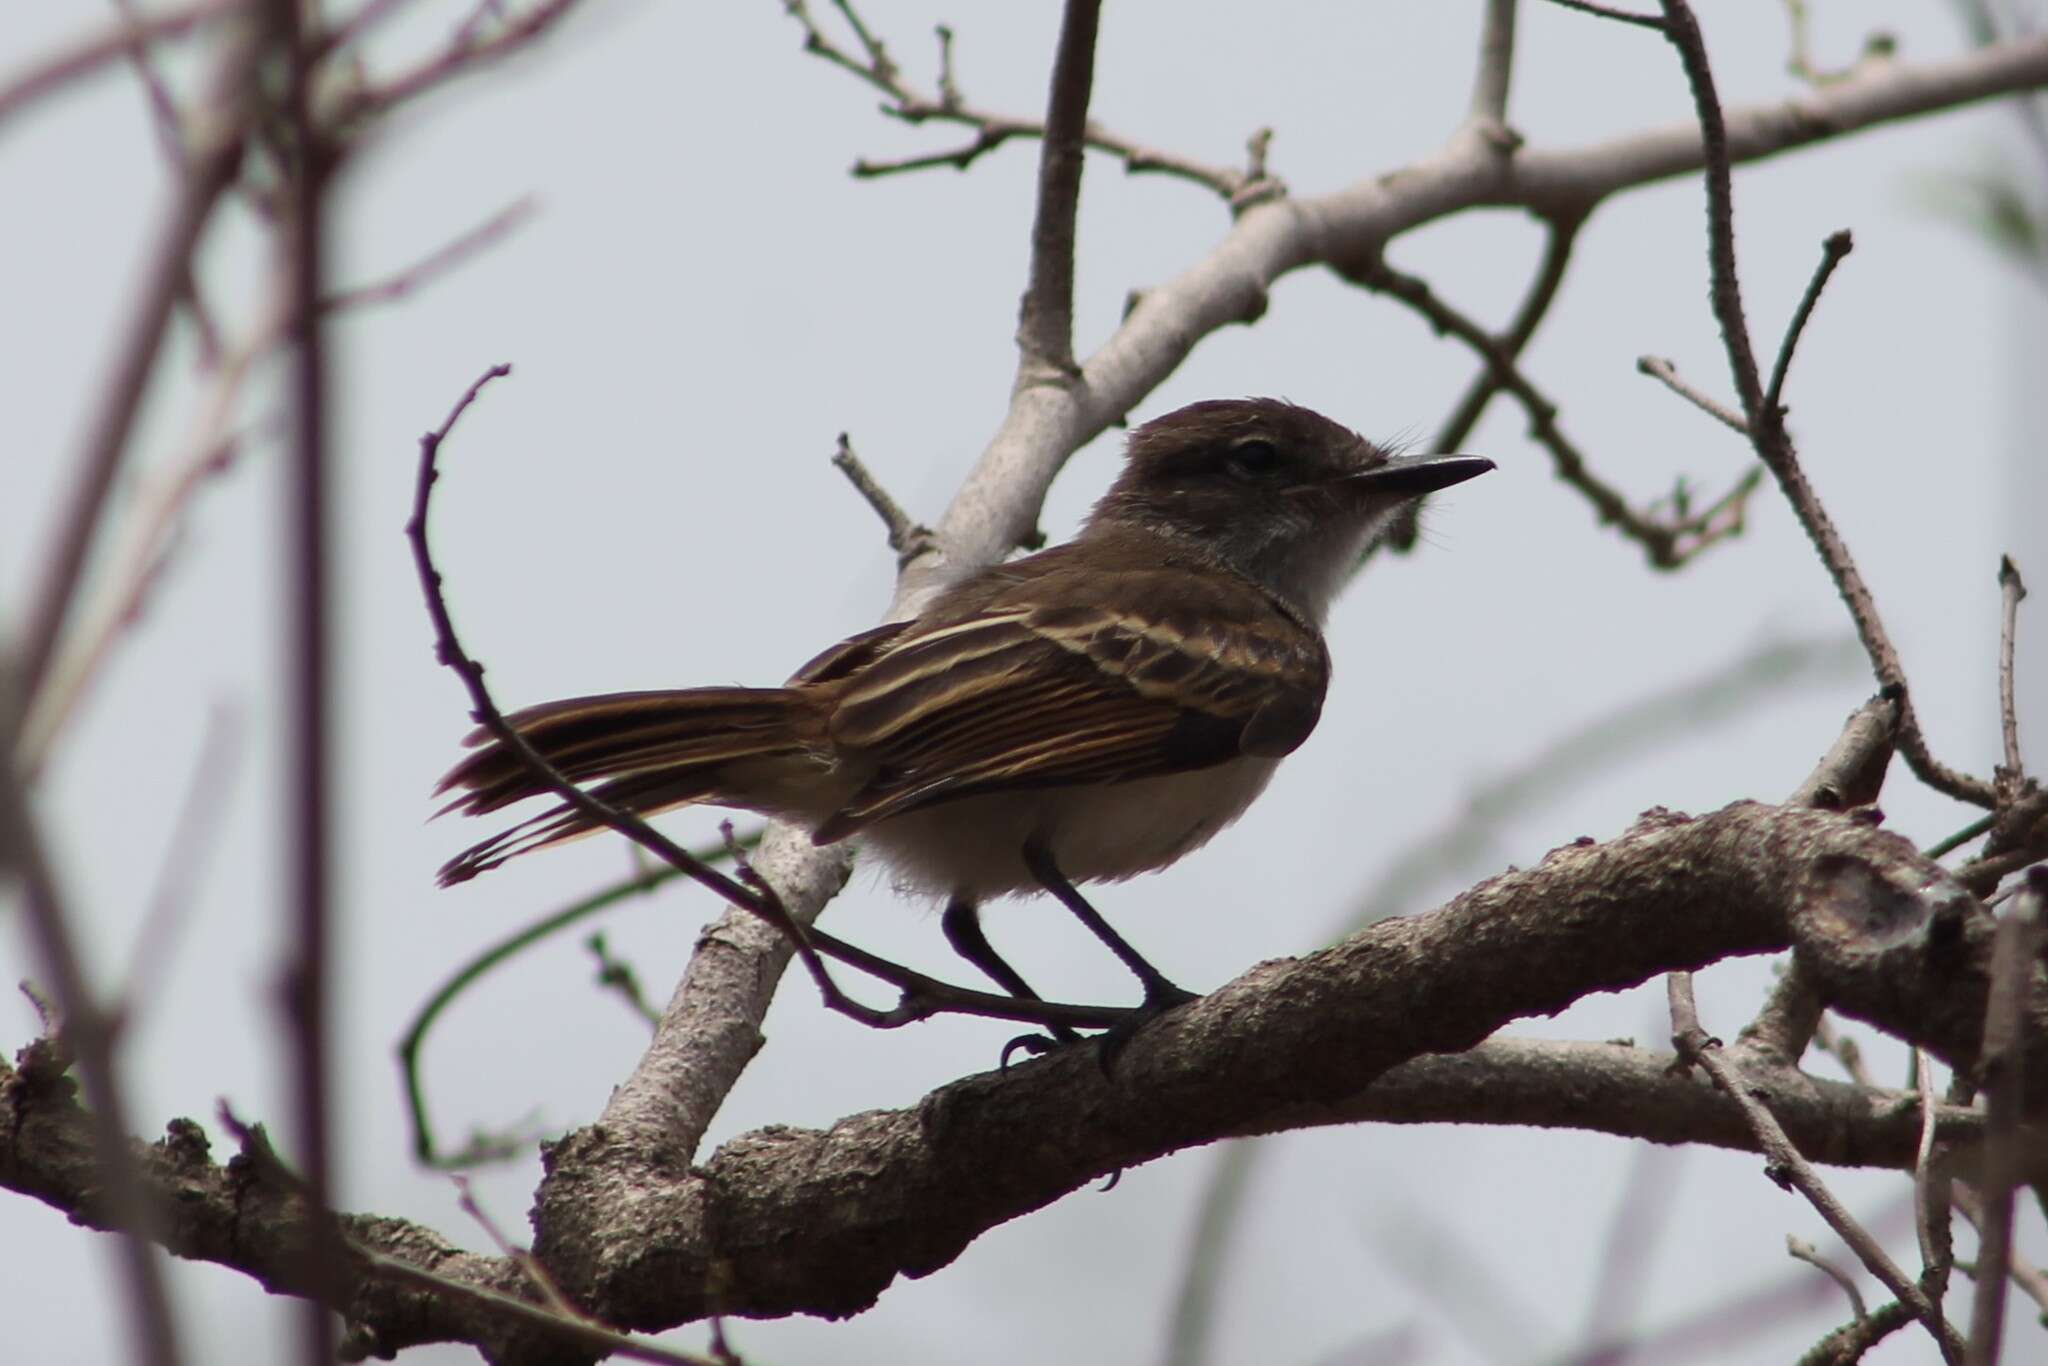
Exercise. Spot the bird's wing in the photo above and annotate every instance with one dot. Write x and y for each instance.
(1163, 671)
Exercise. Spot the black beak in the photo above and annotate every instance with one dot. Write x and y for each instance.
(1417, 474)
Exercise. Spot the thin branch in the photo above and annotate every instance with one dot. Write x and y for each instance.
(1667, 542)
(481, 1148)
(87, 55)
(1045, 322)
(2012, 777)
(1941, 848)
(1832, 250)
(1496, 63)
(1766, 420)
(439, 262)
(89, 1036)
(1847, 1344)
(583, 1331)
(536, 1274)
(1933, 1188)
(1800, 1250)
(1240, 189)
(1788, 1168)
(2002, 1066)
(1666, 372)
(1620, 16)
(2026, 1277)
(908, 537)
(209, 451)
(212, 169)
(308, 635)
(465, 53)
(194, 832)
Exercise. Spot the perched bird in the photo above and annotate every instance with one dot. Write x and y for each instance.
(1084, 714)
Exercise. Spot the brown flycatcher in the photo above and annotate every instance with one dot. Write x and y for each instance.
(1083, 714)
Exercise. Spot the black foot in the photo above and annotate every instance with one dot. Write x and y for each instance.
(1160, 997)
(1037, 1045)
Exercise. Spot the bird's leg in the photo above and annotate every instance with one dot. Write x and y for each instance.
(962, 924)
(1160, 994)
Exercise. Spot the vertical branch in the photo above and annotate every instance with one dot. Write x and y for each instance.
(307, 631)
(1045, 323)
(1766, 418)
(209, 171)
(2013, 951)
(87, 1031)
(1496, 63)
(2012, 777)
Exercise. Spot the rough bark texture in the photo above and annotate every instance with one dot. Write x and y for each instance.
(798, 1221)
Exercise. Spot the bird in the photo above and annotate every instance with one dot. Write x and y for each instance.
(1084, 714)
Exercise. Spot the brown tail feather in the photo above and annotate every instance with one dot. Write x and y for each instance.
(651, 751)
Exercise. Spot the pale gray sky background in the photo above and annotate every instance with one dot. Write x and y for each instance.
(702, 302)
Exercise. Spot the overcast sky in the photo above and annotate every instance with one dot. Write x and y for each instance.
(702, 302)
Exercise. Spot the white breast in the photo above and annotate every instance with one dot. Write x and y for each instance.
(974, 847)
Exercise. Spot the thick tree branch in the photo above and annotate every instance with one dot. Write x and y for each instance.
(791, 1221)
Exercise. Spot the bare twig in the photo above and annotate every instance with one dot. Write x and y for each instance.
(2016, 946)
(2029, 1279)
(1666, 372)
(2011, 777)
(1943, 847)
(991, 130)
(536, 1274)
(1765, 416)
(89, 54)
(616, 974)
(582, 1331)
(1560, 233)
(439, 262)
(89, 1037)
(465, 52)
(1933, 1188)
(212, 168)
(1803, 1251)
(908, 537)
(209, 451)
(1045, 322)
(193, 833)
(1832, 250)
(1667, 542)
(1790, 1170)
(1620, 16)
(1847, 1344)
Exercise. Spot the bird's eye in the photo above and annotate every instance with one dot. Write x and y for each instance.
(1252, 461)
